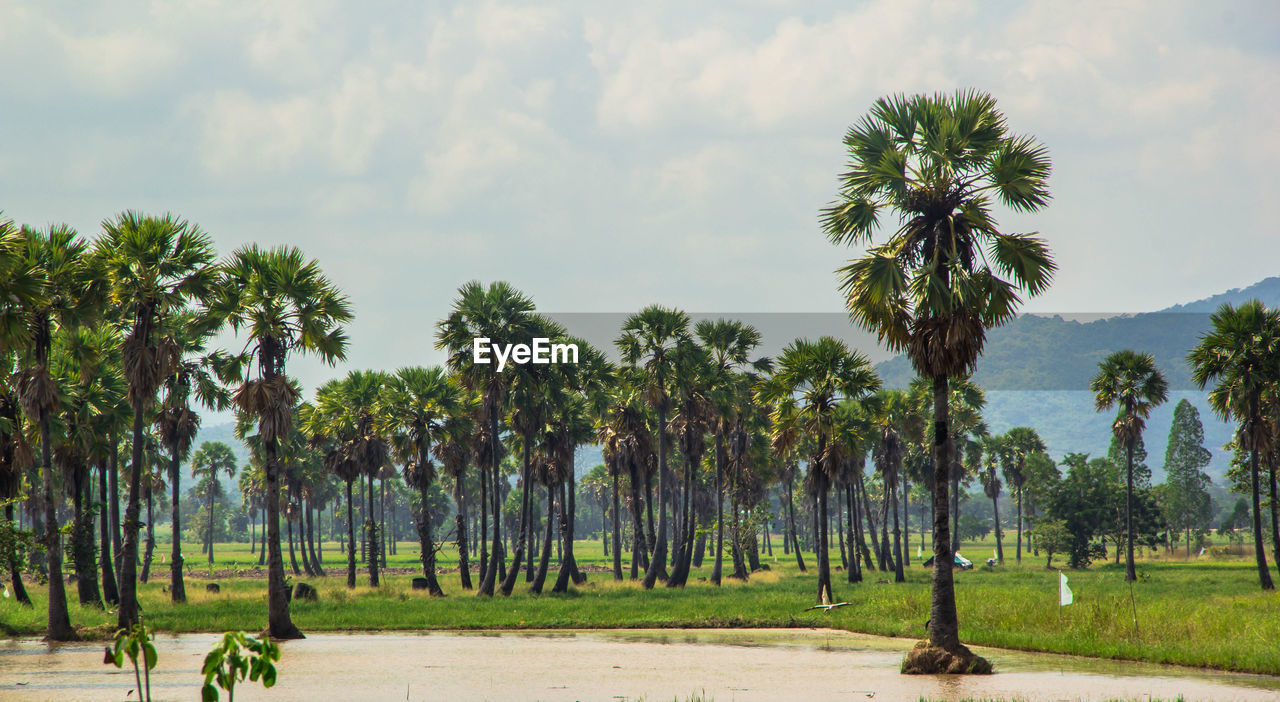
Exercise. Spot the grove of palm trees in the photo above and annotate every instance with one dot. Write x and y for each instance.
(733, 488)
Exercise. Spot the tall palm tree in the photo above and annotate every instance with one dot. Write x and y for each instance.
(284, 304)
(69, 296)
(195, 371)
(417, 403)
(1240, 355)
(809, 382)
(653, 339)
(455, 453)
(995, 450)
(503, 315)
(21, 289)
(1020, 442)
(1130, 381)
(946, 274)
(211, 462)
(153, 265)
(730, 343)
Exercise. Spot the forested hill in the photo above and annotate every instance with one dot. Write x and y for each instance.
(1037, 369)
(1037, 352)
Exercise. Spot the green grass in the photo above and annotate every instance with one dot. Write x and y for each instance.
(1200, 612)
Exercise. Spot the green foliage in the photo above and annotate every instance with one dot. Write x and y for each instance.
(1186, 504)
(1051, 536)
(235, 657)
(136, 644)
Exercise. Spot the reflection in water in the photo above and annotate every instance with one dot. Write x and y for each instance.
(723, 665)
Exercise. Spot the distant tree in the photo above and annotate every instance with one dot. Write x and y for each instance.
(1051, 536)
(210, 462)
(1141, 471)
(1130, 381)
(1085, 502)
(1186, 496)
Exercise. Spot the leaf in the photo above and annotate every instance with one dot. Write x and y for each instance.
(209, 693)
(151, 656)
(269, 676)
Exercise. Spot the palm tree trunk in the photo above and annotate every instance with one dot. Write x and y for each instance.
(460, 526)
(791, 526)
(1275, 512)
(279, 624)
(109, 592)
(844, 553)
(212, 506)
(640, 547)
(490, 577)
(1019, 552)
(853, 535)
(178, 588)
(1259, 551)
(955, 500)
(293, 555)
(825, 594)
(617, 529)
(944, 626)
(1130, 575)
(351, 540)
(525, 525)
(658, 566)
(858, 529)
(427, 541)
(15, 574)
(995, 518)
(371, 535)
(717, 569)
(151, 536)
(869, 516)
(483, 532)
(898, 575)
(311, 541)
(83, 552)
(906, 521)
(127, 613)
(545, 561)
(262, 535)
(113, 500)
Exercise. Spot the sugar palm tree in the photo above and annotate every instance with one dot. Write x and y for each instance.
(455, 453)
(730, 343)
(284, 304)
(946, 274)
(995, 453)
(652, 340)
(810, 380)
(503, 315)
(211, 462)
(153, 265)
(1240, 355)
(1020, 442)
(1130, 381)
(196, 373)
(416, 404)
(69, 296)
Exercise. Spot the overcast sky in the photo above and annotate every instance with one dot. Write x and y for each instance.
(603, 156)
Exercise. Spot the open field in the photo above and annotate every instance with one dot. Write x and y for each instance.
(1199, 612)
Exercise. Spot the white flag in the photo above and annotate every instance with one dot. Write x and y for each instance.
(1064, 593)
(919, 551)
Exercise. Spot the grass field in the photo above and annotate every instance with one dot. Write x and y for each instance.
(1199, 612)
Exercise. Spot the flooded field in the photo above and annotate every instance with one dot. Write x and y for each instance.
(654, 665)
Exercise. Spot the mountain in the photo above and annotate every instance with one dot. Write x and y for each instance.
(1036, 371)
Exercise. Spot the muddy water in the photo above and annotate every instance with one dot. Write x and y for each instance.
(735, 665)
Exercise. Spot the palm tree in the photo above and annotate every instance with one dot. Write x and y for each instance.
(195, 370)
(152, 265)
(417, 402)
(730, 343)
(1020, 442)
(811, 379)
(455, 453)
(653, 339)
(69, 295)
(1240, 354)
(21, 289)
(284, 303)
(947, 274)
(995, 450)
(1130, 380)
(503, 315)
(210, 462)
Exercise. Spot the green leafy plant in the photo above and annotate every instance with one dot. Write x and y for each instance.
(233, 658)
(135, 643)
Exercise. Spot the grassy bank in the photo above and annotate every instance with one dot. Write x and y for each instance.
(1199, 612)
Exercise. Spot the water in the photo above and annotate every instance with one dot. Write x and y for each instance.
(655, 665)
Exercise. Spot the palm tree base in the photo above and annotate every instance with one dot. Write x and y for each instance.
(927, 659)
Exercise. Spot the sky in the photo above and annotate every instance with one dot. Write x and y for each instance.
(605, 156)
